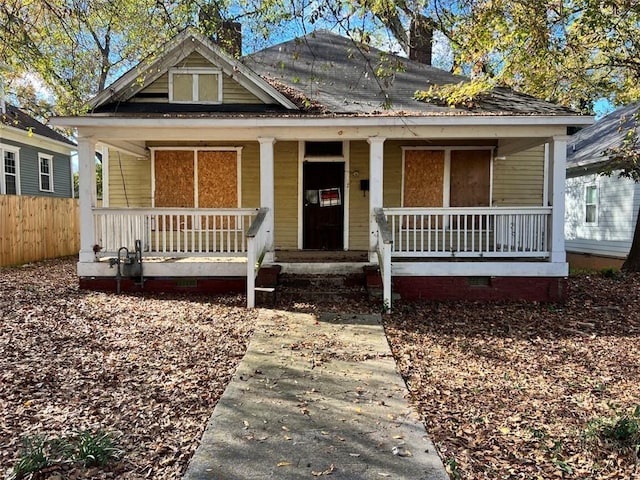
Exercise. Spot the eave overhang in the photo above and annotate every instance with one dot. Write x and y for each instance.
(327, 121)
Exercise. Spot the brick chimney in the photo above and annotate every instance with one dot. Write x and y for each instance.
(421, 39)
(226, 34)
(230, 38)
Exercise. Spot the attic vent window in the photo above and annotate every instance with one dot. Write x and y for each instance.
(195, 85)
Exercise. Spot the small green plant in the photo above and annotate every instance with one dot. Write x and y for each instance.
(620, 430)
(625, 430)
(88, 449)
(95, 449)
(452, 467)
(34, 456)
(610, 272)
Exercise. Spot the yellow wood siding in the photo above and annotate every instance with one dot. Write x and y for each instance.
(518, 179)
(250, 170)
(129, 180)
(232, 91)
(392, 176)
(358, 200)
(286, 195)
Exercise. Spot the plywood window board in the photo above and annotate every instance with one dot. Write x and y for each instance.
(423, 178)
(174, 178)
(218, 183)
(217, 179)
(470, 178)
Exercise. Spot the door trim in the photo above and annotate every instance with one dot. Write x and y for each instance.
(346, 188)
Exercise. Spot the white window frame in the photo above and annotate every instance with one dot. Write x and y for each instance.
(594, 204)
(3, 184)
(195, 73)
(49, 158)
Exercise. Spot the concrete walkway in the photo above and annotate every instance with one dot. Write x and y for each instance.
(316, 397)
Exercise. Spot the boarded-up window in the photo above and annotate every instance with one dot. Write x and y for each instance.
(174, 178)
(423, 178)
(470, 178)
(217, 179)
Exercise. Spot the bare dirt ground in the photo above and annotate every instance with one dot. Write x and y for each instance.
(507, 391)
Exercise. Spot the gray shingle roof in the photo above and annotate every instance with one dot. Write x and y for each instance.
(18, 119)
(587, 146)
(332, 71)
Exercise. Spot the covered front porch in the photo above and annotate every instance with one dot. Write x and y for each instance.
(385, 166)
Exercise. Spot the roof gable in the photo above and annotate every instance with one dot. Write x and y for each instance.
(587, 146)
(177, 53)
(16, 118)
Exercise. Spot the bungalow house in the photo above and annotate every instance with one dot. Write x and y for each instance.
(316, 149)
(601, 211)
(36, 160)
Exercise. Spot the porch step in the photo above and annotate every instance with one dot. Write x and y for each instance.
(320, 289)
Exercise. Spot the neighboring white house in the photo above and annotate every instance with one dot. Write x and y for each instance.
(601, 211)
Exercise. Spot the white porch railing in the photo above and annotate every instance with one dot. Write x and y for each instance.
(174, 231)
(506, 232)
(258, 239)
(383, 249)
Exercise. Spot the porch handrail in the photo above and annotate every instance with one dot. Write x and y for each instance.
(470, 231)
(383, 249)
(257, 238)
(174, 232)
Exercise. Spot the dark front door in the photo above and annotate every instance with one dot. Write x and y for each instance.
(323, 212)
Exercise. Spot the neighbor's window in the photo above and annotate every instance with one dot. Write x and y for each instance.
(10, 184)
(591, 204)
(195, 85)
(46, 172)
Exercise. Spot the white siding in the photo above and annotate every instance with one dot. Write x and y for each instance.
(618, 203)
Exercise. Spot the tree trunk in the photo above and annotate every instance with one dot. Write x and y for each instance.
(632, 263)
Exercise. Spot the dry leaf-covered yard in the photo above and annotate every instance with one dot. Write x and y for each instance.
(515, 391)
(146, 368)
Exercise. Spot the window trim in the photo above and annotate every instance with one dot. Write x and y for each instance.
(45, 156)
(195, 73)
(594, 204)
(3, 185)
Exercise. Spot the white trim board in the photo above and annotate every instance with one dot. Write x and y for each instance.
(479, 269)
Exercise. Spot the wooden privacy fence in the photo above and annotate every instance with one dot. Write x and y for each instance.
(37, 228)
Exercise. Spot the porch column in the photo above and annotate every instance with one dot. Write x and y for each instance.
(376, 164)
(267, 195)
(88, 196)
(556, 182)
